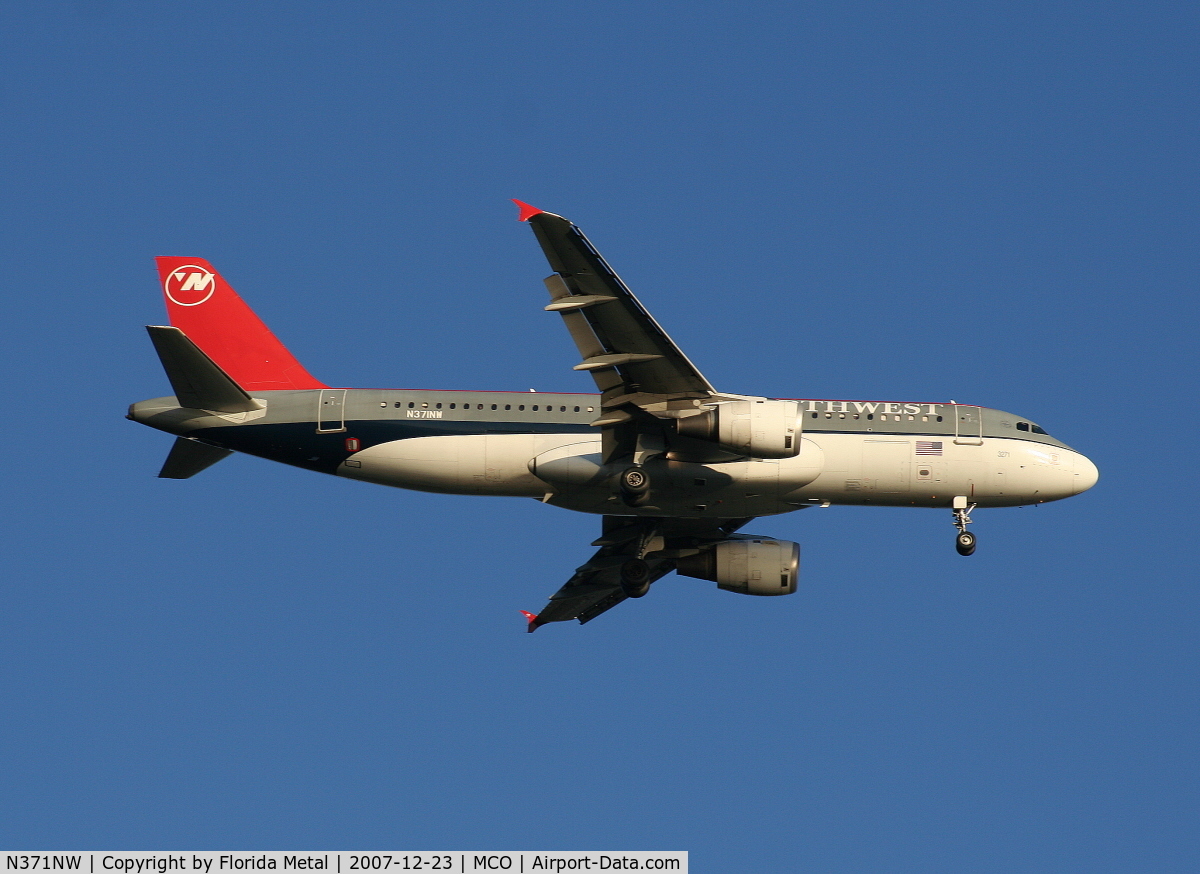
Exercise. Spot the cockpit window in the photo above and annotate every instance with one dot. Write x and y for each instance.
(1038, 430)
(1022, 426)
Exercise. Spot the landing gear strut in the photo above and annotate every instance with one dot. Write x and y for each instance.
(964, 543)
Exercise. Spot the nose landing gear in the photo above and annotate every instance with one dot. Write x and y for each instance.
(964, 543)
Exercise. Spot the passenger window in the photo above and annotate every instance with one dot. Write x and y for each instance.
(493, 406)
(508, 406)
(452, 406)
(411, 405)
(439, 406)
(521, 408)
(577, 409)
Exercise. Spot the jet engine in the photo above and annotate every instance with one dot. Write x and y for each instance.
(746, 565)
(757, 428)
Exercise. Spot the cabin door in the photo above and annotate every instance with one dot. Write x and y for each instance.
(968, 426)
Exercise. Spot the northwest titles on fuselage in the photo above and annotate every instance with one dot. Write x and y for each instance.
(870, 407)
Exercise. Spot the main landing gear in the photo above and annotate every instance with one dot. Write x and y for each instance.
(635, 486)
(964, 543)
(635, 578)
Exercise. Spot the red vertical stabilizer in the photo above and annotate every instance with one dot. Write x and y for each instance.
(206, 308)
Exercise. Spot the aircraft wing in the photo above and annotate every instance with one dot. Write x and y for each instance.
(596, 585)
(629, 355)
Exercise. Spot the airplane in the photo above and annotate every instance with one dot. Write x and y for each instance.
(674, 467)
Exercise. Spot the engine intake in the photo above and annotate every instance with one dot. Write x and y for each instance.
(757, 428)
(747, 565)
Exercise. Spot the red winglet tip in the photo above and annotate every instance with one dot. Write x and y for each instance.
(531, 618)
(527, 211)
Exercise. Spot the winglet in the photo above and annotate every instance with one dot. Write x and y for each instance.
(532, 620)
(527, 211)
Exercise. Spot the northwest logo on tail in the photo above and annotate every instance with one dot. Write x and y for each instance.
(190, 286)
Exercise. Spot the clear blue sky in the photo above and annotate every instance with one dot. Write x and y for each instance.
(990, 202)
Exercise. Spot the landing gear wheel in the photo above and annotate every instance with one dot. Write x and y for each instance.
(634, 479)
(965, 543)
(635, 578)
(635, 486)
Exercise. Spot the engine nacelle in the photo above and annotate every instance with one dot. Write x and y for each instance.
(757, 428)
(747, 565)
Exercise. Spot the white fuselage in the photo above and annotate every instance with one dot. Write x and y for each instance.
(839, 468)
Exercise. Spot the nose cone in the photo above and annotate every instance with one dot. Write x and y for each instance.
(1086, 474)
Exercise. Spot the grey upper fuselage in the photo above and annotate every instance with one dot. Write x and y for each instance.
(402, 413)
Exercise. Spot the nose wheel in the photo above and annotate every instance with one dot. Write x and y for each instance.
(964, 543)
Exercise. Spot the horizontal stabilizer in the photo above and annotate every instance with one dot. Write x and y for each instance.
(188, 457)
(198, 382)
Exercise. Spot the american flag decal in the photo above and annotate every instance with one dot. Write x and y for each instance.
(929, 447)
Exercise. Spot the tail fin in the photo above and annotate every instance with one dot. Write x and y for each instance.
(206, 308)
